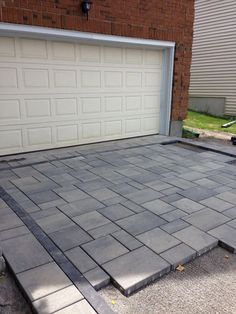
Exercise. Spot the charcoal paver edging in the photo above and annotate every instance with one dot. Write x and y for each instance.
(67, 267)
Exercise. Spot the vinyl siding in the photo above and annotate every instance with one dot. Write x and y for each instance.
(213, 70)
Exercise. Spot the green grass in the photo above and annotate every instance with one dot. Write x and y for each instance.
(206, 122)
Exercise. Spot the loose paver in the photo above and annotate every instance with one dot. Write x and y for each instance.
(206, 219)
(24, 252)
(55, 222)
(136, 269)
(103, 194)
(91, 220)
(231, 213)
(115, 212)
(125, 211)
(78, 307)
(70, 237)
(127, 240)
(81, 207)
(179, 255)
(104, 249)
(217, 204)
(140, 223)
(187, 205)
(175, 214)
(134, 207)
(143, 196)
(228, 196)
(74, 195)
(43, 280)
(57, 300)
(80, 259)
(232, 223)
(198, 193)
(13, 233)
(97, 278)
(158, 240)
(9, 221)
(226, 235)
(103, 230)
(174, 226)
(43, 197)
(158, 207)
(196, 239)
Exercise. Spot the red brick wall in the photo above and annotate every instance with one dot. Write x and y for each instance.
(153, 19)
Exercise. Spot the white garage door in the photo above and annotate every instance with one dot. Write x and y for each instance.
(55, 94)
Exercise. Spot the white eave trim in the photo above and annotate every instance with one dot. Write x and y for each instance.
(61, 34)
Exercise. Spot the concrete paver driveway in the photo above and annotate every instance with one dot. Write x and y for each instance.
(74, 219)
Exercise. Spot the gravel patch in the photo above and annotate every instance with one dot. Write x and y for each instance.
(11, 299)
(208, 285)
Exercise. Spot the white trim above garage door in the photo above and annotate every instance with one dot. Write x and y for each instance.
(60, 88)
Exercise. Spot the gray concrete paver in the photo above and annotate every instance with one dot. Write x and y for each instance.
(110, 202)
(136, 269)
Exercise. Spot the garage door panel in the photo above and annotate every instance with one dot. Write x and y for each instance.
(113, 104)
(151, 102)
(113, 55)
(113, 128)
(33, 48)
(150, 124)
(134, 79)
(113, 79)
(152, 79)
(134, 56)
(8, 77)
(63, 51)
(89, 54)
(38, 108)
(152, 57)
(133, 103)
(91, 131)
(67, 133)
(133, 126)
(35, 78)
(90, 79)
(11, 139)
(7, 47)
(66, 107)
(10, 110)
(55, 94)
(90, 105)
(65, 78)
(39, 135)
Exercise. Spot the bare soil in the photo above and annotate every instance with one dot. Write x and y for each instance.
(11, 299)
